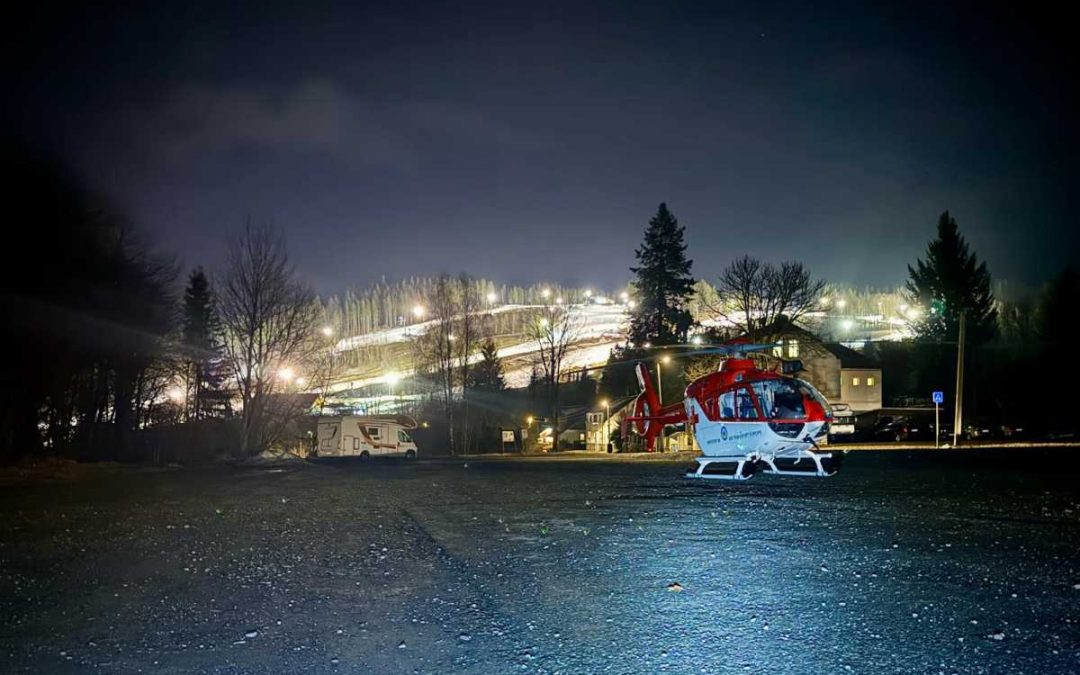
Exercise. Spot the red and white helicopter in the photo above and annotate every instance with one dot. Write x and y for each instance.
(744, 418)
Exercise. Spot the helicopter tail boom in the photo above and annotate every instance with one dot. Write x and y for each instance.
(649, 417)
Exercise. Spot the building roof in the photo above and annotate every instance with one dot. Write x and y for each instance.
(849, 358)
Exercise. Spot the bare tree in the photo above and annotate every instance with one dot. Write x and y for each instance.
(436, 349)
(754, 295)
(554, 330)
(267, 320)
(467, 338)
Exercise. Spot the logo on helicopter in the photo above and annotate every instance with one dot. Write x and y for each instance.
(723, 432)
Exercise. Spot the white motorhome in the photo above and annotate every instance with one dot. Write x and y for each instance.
(365, 436)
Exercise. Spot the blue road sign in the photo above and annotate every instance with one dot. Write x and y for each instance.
(939, 397)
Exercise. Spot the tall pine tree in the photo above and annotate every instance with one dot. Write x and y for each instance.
(951, 281)
(663, 285)
(487, 374)
(200, 331)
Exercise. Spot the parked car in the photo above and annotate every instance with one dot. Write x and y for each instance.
(842, 427)
(908, 429)
(986, 428)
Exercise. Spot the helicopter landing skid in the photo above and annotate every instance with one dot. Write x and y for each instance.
(806, 463)
(725, 468)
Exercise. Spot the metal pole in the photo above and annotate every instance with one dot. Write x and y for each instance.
(958, 417)
(607, 426)
(659, 386)
(660, 398)
(937, 425)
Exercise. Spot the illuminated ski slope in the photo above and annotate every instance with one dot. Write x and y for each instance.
(596, 329)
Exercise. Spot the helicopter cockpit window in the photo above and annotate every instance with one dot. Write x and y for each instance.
(745, 404)
(727, 405)
(816, 395)
(780, 399)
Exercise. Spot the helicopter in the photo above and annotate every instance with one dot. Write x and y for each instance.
(745, 419)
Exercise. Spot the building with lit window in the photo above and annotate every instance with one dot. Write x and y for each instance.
(842, 374)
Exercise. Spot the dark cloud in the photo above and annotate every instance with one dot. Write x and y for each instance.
(533, 141)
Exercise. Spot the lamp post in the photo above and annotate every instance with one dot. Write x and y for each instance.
(607, 425)
(958, 406)
(665, 359)
(660, 392)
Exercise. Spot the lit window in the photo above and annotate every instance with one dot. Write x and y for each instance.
(854, 381)
(869, 381)
(793, 349)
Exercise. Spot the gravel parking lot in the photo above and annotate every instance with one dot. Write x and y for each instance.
(903, 563)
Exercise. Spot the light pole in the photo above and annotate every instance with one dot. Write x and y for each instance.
(665, 359)
(660, 392)
(607, 425)
(958, 406)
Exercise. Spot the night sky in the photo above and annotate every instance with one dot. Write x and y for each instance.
(531, 142)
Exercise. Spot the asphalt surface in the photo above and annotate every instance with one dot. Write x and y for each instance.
(963, 562)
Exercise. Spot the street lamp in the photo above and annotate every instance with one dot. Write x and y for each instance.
(841, 303)
(696, 340)
(545, 293)
(418, 311)
(492, 297)
(665, 359)
(328, 331)
(392, 378)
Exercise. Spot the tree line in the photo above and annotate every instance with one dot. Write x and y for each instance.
(1015, 346)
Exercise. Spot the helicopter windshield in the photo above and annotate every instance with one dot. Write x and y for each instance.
(780, 399)
(773, 399)
(816, 395)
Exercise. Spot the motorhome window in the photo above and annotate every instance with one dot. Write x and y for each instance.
(356, 444)
(373, 432)
(403, 437)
